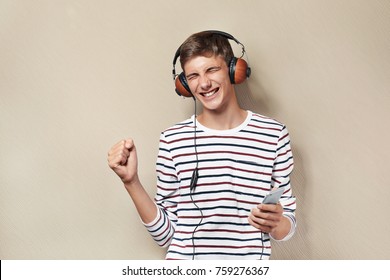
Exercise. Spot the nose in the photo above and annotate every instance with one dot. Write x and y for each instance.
(204, 82)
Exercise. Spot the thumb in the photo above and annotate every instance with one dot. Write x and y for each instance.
(129, 144)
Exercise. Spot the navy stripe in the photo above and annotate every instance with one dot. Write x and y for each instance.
(224, 159)
(281, 126)
(222, 191)
(261, 133)
(166, 181)
(231, 176)
(165, 166)
(214, 208)
(284, 161)
(215, 223)
(164, 150)
(190, 131)
(284, 146)
(218, 238)
(162, 224)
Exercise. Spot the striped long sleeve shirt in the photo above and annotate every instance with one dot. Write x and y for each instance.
(237, 168)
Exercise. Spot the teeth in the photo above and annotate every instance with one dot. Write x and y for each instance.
(210, 93)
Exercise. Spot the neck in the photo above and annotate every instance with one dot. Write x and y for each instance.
(225, 120)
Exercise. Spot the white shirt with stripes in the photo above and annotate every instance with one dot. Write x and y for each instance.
(237, 168)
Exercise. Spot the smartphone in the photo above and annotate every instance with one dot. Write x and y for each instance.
(273, 196)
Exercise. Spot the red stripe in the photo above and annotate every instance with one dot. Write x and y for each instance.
(220, 230)
(167, 189)
(168, 240)
(166, 158)
(284, 136)
(264, 127)
(277, 181)
(226, 152)
(166, 174)
(286, 152)
(219, 246)
(289, 204)
(219, 137)
(261, 117)
(221, 199)
(228, 167)
(283, 169)
(179, 127)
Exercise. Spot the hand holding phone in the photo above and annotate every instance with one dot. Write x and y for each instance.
(273, 196)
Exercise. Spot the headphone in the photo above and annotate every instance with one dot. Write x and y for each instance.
(238, 68)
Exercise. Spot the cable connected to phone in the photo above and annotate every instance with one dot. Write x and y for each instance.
(193, 183)
(262, 245)
(196, 228)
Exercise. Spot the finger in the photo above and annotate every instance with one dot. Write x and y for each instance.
(258, 226)
(268, 216)
(118, 154)
(114, 149)
(115, 161)
(269, 219)
(129, 143)
(124, 149)
(273, 208)
(256, 217)
(121, 158)
(251, 222)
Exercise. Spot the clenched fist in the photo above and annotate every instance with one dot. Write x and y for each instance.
(122, 159)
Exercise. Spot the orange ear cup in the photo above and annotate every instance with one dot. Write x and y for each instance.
(181, 86)
(238, 70)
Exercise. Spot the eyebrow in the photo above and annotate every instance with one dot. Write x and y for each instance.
(216, 67)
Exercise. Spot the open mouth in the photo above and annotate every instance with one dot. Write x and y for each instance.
(210, 93)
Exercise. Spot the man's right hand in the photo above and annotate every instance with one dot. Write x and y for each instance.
(122, 159)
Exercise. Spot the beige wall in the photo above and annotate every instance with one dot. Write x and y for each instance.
(77, 76)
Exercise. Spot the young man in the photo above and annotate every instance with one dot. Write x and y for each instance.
(214, 169)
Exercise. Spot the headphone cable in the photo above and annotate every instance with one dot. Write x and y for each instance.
(262, 245)
(194, 180)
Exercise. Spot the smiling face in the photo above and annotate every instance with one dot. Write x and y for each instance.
(208, 79)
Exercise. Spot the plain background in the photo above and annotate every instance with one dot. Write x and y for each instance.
(78, 76)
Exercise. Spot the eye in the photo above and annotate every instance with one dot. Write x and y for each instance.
(213, 69)
(191, 77)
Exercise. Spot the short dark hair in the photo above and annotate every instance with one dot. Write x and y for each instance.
(205, 43)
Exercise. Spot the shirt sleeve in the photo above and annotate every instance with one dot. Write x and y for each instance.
(282, 169)
(166, 199)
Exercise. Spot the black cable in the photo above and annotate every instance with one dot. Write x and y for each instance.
(262, 245)
(194, 180)
(196, 228)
